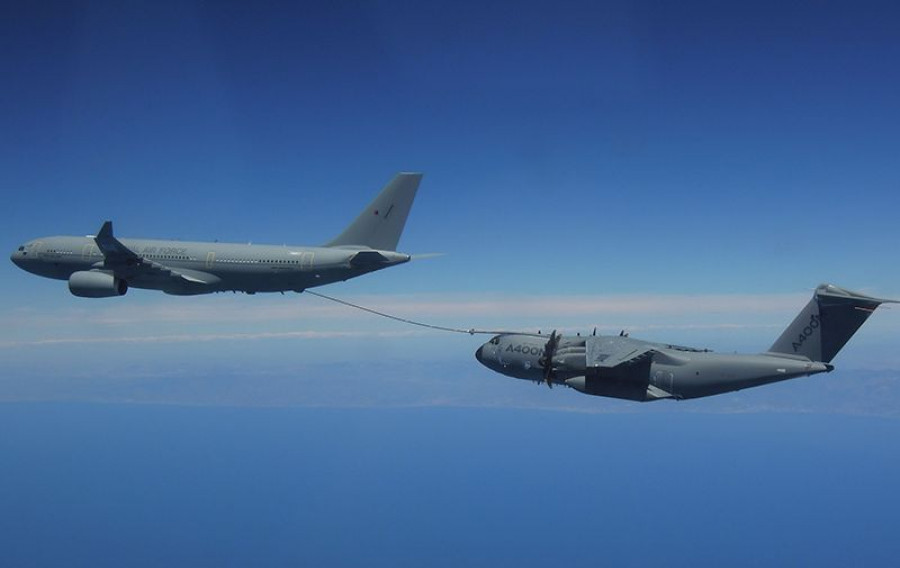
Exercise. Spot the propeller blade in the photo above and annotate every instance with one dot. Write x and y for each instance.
(546, 359)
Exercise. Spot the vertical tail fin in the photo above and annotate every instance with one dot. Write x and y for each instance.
(380, 224)
(827, 322)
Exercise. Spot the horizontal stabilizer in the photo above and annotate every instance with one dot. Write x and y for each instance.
(368, 258)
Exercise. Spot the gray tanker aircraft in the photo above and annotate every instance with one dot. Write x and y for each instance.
(622, 367)
(100, 266)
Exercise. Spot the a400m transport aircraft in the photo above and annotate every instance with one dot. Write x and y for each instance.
(103, 266)
(621, 367)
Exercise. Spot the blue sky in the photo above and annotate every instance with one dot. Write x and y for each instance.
(617, 152)
(688, 171)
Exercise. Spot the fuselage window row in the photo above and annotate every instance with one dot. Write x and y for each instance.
(190, 258)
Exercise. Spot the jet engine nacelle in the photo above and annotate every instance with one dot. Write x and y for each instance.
(93, 284)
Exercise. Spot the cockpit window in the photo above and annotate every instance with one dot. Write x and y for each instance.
(21, 248)
(495, 341)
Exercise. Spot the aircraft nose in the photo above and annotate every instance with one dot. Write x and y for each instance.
(19, 257)
(478, 354)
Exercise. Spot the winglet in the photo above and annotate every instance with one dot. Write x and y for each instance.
(106, 231)
(110, 246)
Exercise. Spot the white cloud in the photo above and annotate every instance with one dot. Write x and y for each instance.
(217, 318)
(215, 309)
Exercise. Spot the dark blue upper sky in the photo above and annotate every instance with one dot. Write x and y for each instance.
(761, 132)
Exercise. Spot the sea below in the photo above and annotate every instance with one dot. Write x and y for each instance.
(162, 485)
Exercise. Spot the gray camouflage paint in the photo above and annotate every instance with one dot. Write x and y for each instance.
(622, 367)
(104, 266)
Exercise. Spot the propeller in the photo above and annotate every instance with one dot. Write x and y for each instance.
(546, 360)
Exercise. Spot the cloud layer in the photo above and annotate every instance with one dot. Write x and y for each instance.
(212, 318)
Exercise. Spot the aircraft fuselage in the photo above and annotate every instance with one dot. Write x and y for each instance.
(663, 371)
(102, 266)
(622, 367)
(212, 267)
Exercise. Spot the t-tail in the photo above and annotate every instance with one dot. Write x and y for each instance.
(380, 224)
(827, 323)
